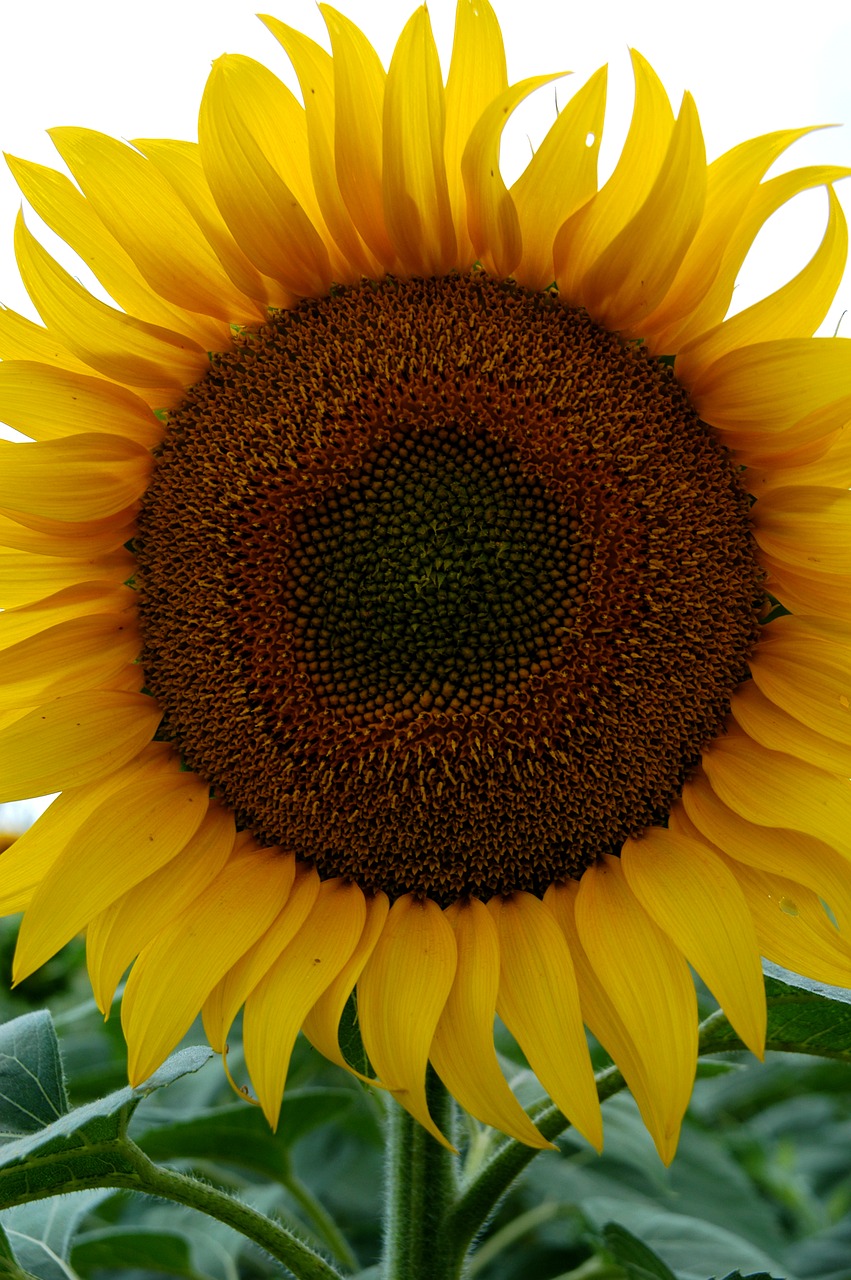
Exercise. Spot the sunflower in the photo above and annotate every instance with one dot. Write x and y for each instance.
(416, 587)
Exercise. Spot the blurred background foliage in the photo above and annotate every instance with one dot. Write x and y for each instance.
(761, 1185)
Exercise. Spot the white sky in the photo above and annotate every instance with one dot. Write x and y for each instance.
(753, 66)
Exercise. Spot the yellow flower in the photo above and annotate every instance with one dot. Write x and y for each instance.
(432, 636)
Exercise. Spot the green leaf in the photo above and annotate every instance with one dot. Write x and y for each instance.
(803, 1017)
(41, 1234)
(638, 1261)
(32, 1090)
(754, 1275)
(83, 1147)
(239, 1135)
(114, 1248)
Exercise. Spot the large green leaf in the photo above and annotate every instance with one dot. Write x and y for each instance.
(41, 1233)
(638, 1261)
(112, 1249)
(803, 1017)
(32, 1089)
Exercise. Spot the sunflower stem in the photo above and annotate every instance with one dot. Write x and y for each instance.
(274, 1239)
(420, 1188)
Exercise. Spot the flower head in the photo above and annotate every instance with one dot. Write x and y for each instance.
(416, 585)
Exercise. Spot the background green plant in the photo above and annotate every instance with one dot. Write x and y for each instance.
(761, 1185)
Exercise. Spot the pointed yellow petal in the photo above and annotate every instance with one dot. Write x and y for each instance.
(712, 305)
(477, 75)
(176, 972)
(492, 219)
(63, 207)
(159, 820)
(82, 653)
(779, 852)
(795, 311)
(774, 384)
(359, 81)
(298, 895)
(793, 928)
(64, 540)
(321, 1025)
(74, 602)
(559, 179)
(315, 72)
(808, 592)
(118, 933)
(21, 339)
(263, 214)
(277, 1007)
(811, 681)
(832, 469)
(462, 1052)
(180, 164)
(653, 993)
(417, 212)
(83, 477)
(775, 790)
(634, 272)
(688, 891)
(47, 403)
(401, 995)
(607, 1025)
(139, 208)
(26, 577)
(73, 740)
(806, 527)
(115, 344)
(592, 228)
(539, 1003)
(776, 729)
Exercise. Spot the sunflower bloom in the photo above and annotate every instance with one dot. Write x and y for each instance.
(415, 586)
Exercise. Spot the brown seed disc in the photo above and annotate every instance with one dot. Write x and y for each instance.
(443, 587)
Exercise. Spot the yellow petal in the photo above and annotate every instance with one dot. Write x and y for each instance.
(688, 891)
(177, 970)
(776, 729)
(401, 995)
(73, 740)
(806, 527)
(263, 214)
(83, 477)
(63, 207)
(492, 219)
(634, 272)
(34, 852)
(558, 180)
(832, 469)
(477, 75)
(156, 230)
(774, 384)
(811, 681)
(162, 818)
(82, 653)
(417, 212)
(710, 306)
(359, 81)
(775, 790)
(731, 182)
(592, 228)
(539, 1003)
(647, 981)
(180, 164)
(315, 71)
(116, 345)
(808, 592)
(277, 1007)
(795, 311)
(118, 933)
(74, 602)
(793, 928)
(462, 1052)
(48, 403)
(26, 577)
(321, 1025)
(21, 339)
(298, 896)
(779, 852)
(606, 1024)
